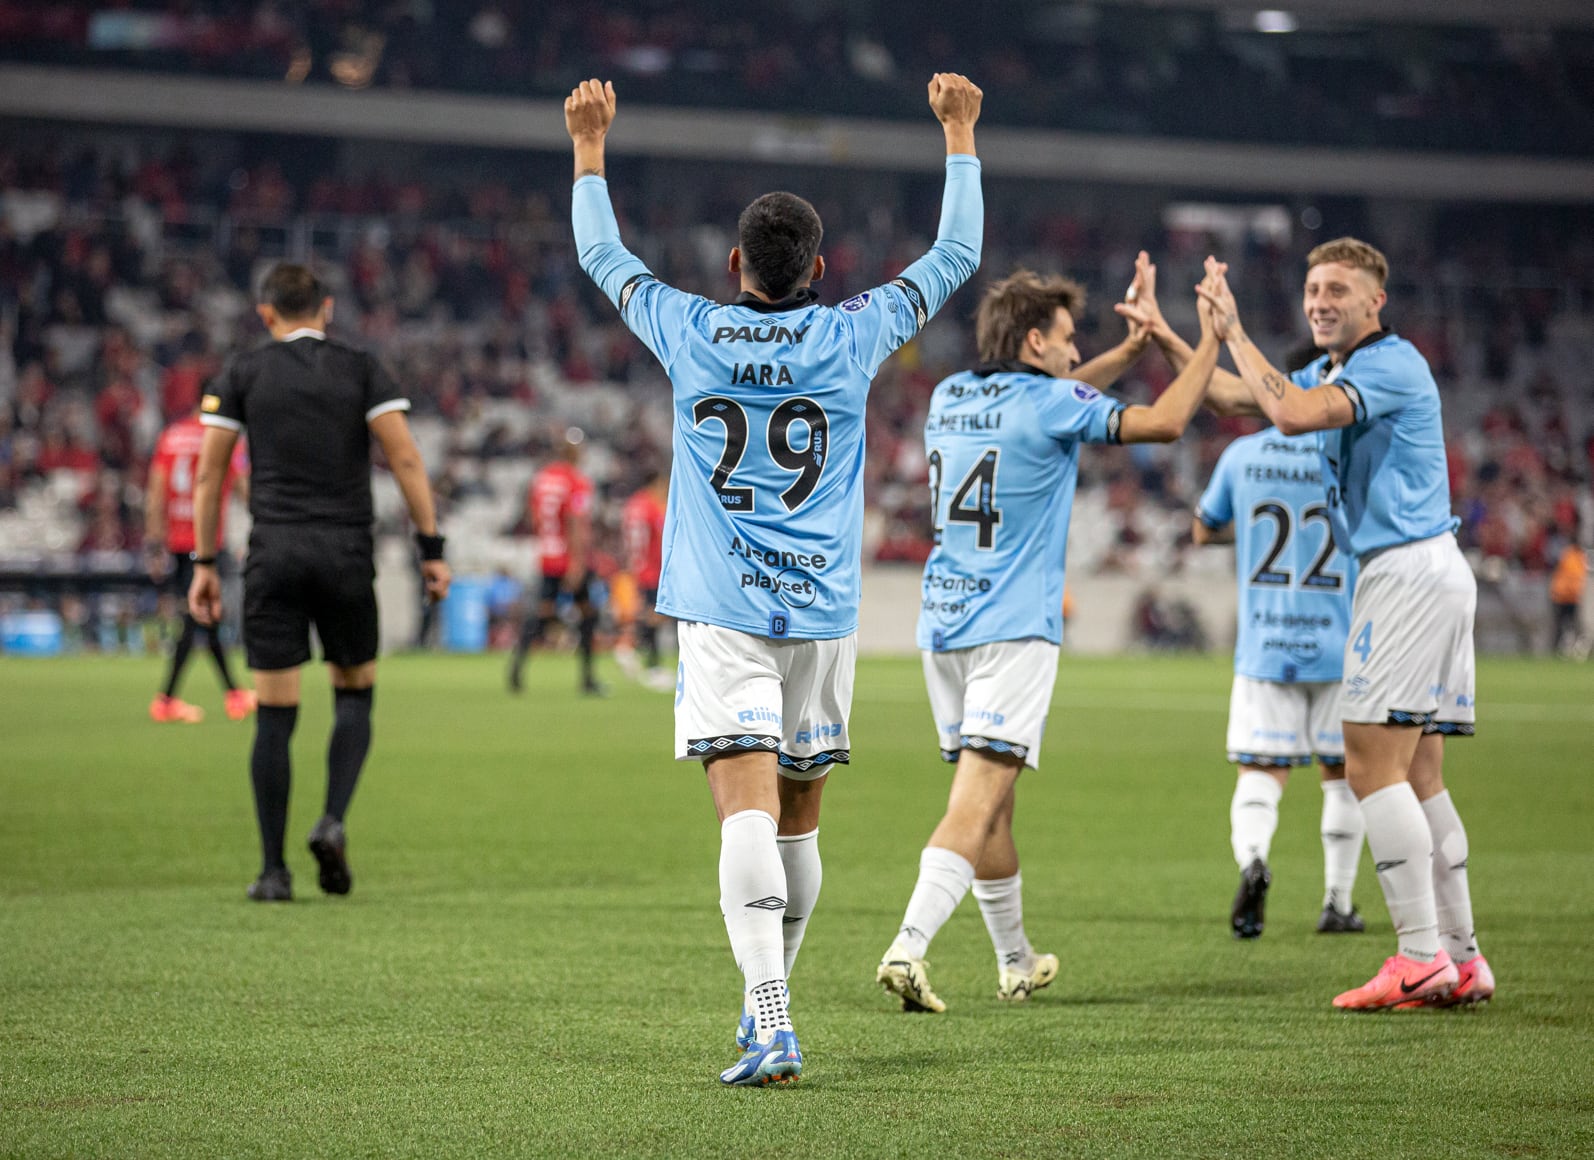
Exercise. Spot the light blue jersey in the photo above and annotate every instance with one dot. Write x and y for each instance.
(764, 527)
(1295, 585)
(1003, 447)
(1388, 481)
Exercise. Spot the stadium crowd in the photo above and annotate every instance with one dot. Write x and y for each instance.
(124, 280)
(1128, 69)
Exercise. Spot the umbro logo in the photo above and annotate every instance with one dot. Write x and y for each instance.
(769, 903)
(1337, 835)
(788, 919)
(1390, 865)
(1461, 865)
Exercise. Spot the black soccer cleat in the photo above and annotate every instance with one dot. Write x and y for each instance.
(328, 843)
(1250, 900)
(1332, 921)
(594, 689)
(514, 682)
(275, 885)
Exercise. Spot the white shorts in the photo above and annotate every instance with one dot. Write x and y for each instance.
(1274, 725)
(1408, 660)
(992, 697)
(737, 693)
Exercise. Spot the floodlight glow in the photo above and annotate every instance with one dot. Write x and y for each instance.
(1274, 20)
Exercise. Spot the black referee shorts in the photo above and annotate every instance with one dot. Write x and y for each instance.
(302, 574)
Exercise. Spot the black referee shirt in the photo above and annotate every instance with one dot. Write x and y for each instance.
(306, 402)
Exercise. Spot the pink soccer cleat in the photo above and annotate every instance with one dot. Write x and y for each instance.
(240, 703)
(1401, 980)
(1474, 985)
(169, 709)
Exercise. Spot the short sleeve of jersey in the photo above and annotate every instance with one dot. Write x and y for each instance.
(580, 502)
(657, 314)
(1377, 386)
(1216, 506)
(223, 402)
(1073, 410)
(382, 394)
(883, 319)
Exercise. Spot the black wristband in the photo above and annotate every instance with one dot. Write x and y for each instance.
(202, 561)
(431, 546)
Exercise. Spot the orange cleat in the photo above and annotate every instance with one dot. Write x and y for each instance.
(1401, 981)
(1474, 985)
(240, 703)
(169, 709)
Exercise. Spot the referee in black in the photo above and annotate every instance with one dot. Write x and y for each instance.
(311, 407)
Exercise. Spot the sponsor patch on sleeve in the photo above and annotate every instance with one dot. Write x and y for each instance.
(210, 403)
(1086, 393)
(856, 303)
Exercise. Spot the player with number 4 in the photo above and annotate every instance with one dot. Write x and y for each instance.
(1003, 443)
(764, 527)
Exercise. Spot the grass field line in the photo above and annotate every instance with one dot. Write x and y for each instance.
(1215, 703)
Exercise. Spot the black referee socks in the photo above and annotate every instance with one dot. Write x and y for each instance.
(270, 771)
(351, 741)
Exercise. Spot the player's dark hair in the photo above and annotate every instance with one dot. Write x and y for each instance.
(1022, 302)
(779, 237)
(293, 291)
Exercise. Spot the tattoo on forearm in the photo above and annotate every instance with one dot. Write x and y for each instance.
(1274, 384)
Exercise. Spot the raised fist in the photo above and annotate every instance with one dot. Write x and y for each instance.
(955, 99)
(589, 109)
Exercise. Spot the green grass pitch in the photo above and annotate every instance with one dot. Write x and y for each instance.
(532, 961)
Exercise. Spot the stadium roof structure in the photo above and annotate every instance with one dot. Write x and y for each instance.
(509, 123)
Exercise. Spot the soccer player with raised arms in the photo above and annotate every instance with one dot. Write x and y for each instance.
(1002, 443)
(1408, 680)
(764, 524)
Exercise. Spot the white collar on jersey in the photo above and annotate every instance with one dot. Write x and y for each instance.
(303, 332)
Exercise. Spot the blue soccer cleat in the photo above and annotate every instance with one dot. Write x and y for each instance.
(780, 1061)
(746, 1032)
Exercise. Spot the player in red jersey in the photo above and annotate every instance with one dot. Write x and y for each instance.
(642, 535)
(559, 503)
(169, 549)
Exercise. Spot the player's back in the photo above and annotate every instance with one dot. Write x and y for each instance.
(766, 508)
(1294, 583)
(1003, 449)
(1389, 480)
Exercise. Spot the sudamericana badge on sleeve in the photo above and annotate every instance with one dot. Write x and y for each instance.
(856, 303)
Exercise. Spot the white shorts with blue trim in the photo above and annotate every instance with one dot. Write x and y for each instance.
(992, 697)
(1409, 657)
(739, 693)
(1274, 725)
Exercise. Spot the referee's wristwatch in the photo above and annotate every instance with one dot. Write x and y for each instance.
(201, 561)
(431, 547)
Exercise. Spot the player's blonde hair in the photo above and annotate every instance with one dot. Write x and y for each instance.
(1355, 253)
(1022, 302)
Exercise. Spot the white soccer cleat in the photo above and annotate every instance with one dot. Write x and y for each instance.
(1015, 986)
(908, 979)
(659, 680)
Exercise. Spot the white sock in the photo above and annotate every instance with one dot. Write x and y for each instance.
(1452, 895)
(1002, 906)
(753, 900)
(799, 854)
(1402, 849)
(1343, 833)
(1253, 816)
(944, 879)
